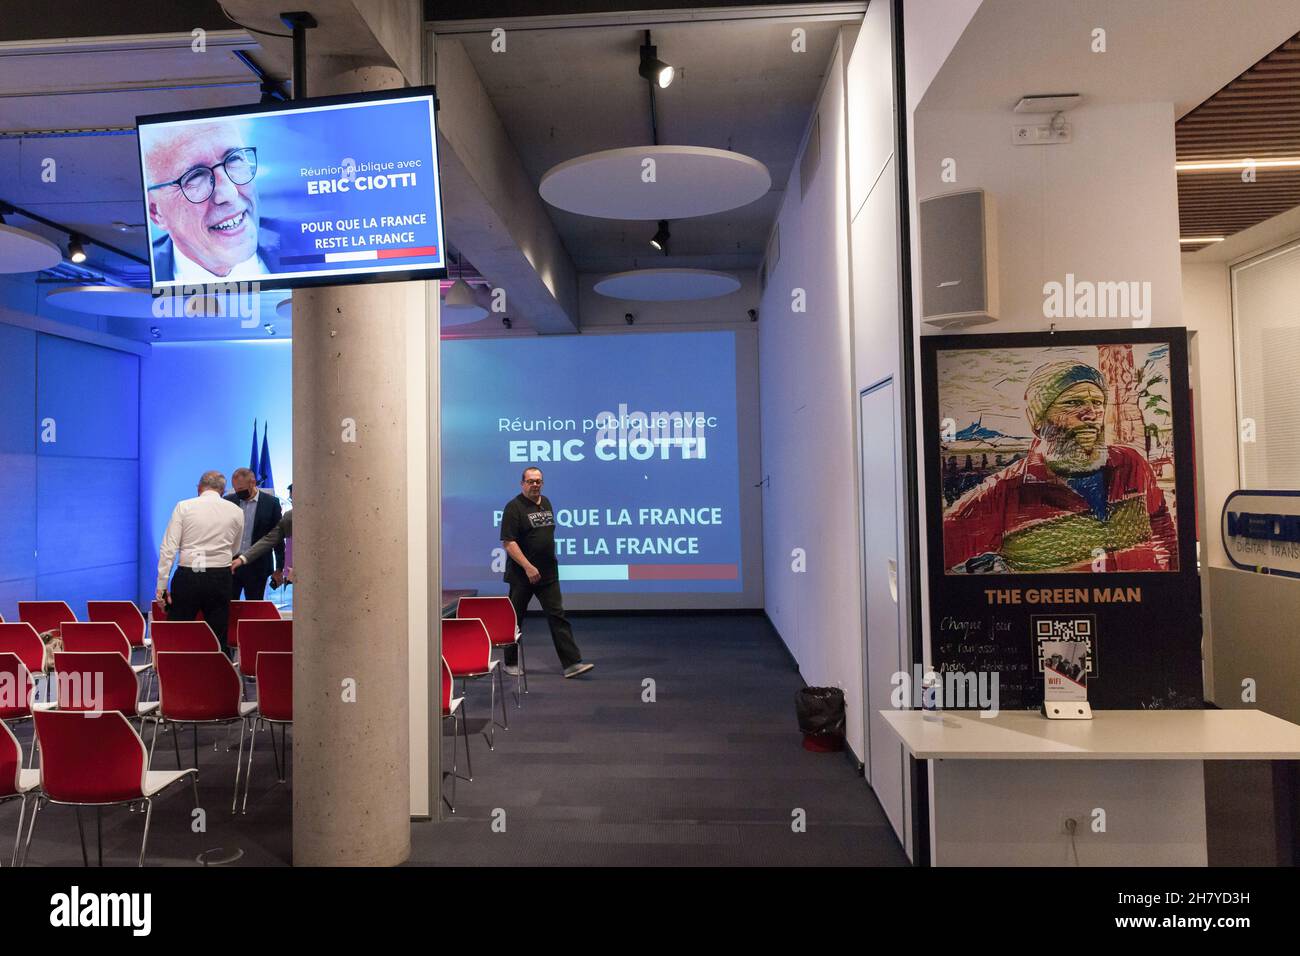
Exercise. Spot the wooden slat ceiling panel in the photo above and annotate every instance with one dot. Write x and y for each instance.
(1256, 116)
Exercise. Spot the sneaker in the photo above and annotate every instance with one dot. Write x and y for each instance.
(579, 668)
(514, 670)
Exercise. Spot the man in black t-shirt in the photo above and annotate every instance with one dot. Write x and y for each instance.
(528, 533)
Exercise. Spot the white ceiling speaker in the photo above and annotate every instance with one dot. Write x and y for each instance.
(23, 251)
(687, 181)
(667, 285)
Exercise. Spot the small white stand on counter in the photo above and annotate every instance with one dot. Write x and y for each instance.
(1002, 788)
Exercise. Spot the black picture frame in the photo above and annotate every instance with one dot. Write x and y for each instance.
(287, 106)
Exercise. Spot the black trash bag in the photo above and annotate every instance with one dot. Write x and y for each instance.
(820, 711)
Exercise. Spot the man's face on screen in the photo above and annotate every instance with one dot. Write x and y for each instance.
(532, 484)
(220, 232)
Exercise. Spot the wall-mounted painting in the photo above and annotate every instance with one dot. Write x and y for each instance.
(1057, 459)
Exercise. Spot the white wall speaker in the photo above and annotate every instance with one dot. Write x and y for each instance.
(959, 260)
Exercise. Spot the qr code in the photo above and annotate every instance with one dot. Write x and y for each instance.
(1063, 628)
(1078, 629)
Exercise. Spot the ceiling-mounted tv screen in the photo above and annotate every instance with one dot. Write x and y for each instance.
(326, 191)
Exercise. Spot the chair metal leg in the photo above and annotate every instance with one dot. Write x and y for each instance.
(234, 799)
(31, 828)
(194, 781)
(491, 735)
(148, 815)
(248, 777)
(464, 730)
(501, 683)
(523, 668)
(276, 752)
(454, 747)
(153, 740)
(176, 745)
(196, 747)
(81, 832)
(18, 838)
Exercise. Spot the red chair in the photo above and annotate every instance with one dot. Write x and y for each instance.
(248, 611)
(100, 680)
(125, 615)
(93, 758)
(274, 676)
(167, 635)
(15, 782)
(21, 640)
(200, 688)
(45, 615)
(183, 636)
(498, 616)
(256, 636)
(15, 697)
(468, 652)
(452, 710)
(87, 637)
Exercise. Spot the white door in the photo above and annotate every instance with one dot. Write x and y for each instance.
(885, 652)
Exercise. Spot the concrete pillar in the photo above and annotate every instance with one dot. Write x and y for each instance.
(351, 760)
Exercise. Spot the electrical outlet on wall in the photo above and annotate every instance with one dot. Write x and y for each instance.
(1043, 134)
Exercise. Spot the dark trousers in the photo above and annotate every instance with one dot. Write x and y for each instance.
(553, 604)
(207, 591)
(251, 581)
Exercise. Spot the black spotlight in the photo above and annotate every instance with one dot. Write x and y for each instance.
(660, 240)
(627, 317)
(753, 315)
(75, 251)
(505, 320)
(652, 68)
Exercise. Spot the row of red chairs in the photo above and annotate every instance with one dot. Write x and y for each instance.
(481, 625)
(52, 615)
(92, 756)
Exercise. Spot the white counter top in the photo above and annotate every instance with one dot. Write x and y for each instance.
(1110, 735)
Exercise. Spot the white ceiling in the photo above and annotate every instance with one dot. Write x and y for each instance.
(566, 91)
(103, 84)
(1179, 51)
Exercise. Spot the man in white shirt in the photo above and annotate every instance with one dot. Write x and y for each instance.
(205, 532)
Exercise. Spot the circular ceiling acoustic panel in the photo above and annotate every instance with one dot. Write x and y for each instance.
(667, 285)
(655, 182)
(23, 251)
(103, 300)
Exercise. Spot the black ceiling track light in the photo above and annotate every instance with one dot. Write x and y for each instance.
(652, 68)
(662, 237)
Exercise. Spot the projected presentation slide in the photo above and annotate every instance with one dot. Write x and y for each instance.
(334, 190)
(637, 440)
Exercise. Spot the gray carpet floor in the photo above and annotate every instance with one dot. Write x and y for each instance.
(710, 773)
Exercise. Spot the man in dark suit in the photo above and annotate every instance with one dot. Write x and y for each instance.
(261, 515)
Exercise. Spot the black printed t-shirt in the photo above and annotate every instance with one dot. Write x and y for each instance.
(532, 527)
